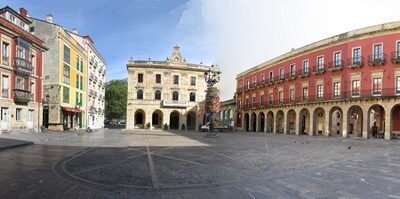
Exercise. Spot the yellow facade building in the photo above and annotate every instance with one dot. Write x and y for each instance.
(65, 76)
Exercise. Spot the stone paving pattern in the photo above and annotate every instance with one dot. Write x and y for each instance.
(157, 164)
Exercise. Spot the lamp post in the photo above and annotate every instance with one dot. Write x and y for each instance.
(211, 77)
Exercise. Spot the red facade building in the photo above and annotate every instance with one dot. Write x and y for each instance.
(346, 85)
(20, 72)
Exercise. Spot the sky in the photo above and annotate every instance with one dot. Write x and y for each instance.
(233, 34)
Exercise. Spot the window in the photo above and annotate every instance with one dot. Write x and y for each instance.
(157, 95)
(355, 87)
(262, 100)
(81, 65)
(33, 58)
(378, 52)
(247, 84)
(292, 70)
(20, 52)
(76, 98)
(337, 59)
(19, 83)
(4, 86)
(66, 73)
(305, 93)
(377, 86)
(77, 63)
(81, 82)
(5, 53)
(139, 94)
(22, 25)
(281, 74)
(65, 94)
(320, 91)
(336, 89)
(320, 63)
(12, 18)
(262, 79)
(80, 99)
(77, 81)
(247, 102)
(193, 81)
(176, 79)
(192, 97)
(270, 98)
(305, 67)
(291, 95)
(67, 58)
(32, 90)
(254, 81)
(398, 50)
(398, 85)
(253, 101)
(356, 56)
(175, 95)
(140, 78)
(158, 78)
(271, 76)
(18, 114)
(280, 97)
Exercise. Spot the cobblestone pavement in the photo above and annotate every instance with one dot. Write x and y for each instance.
(157, 164)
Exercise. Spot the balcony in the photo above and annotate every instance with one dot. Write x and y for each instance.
(22, 96)
(336, 65)
(319, 69)
(5, 60)
(291, 75)
(22, 66)
(91, 92)
(304, 73)
(91, 76)
(355, 62)
(377, 59)
(95, 79)
(280, 79)
(91, 60)
(395, 57)
(175, 103)
(270, 81)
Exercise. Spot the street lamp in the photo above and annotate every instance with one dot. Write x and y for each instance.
(211, 77)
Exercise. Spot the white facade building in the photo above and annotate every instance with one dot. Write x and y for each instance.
(96, 82)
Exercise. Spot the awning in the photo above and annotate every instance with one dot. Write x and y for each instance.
(74, 110)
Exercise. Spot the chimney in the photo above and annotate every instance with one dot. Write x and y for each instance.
(23, 12)
(49, 18)
(74, 30)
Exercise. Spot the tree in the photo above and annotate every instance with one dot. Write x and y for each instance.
(116, 97)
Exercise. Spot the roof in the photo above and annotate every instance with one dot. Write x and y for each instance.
(325, 42)
(7, 8)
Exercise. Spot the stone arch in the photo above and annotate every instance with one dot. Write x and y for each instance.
(246, 122)
(261, 122)
(376, 121)
(394, 120)
(336, 121)
(140, 118)
(304, 122)
(157, 119)
(280, 121)
(270, 122)
(174, 120)
(191, 121)
(355, 121)
(319, 121)
(291, 122)
(253, 122)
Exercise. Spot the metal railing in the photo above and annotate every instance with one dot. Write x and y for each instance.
(23, 66)
(5, 60)
(355, 62)
(319, 68)
(22, 95)
(395, 57)
(348, 95)
(377, 59)
(4, 93)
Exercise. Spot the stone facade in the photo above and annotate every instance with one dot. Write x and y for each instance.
(167, 93)
(20, 73)
(346, 85)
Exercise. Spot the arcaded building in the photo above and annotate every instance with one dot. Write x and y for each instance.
(165, 94)
(346, 85)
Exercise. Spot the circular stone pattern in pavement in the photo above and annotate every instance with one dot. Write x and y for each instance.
(159, 168)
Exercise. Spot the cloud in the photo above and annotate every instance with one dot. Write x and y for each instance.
(245, 33)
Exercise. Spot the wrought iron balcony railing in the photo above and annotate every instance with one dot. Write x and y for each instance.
(319, 69)
(395, 57)
(336, 65)
(377, 59)
(22, 66)
(5, 60)
(22, 96)
(348, 95)
(355, 62)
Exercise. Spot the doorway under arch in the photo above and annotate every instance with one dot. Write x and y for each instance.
(376, 121)
(279, 122)
(174, 120)
(191, 121)
(157, 119)
(261, 122)
(246, 122)
(291, 122)
(319, 121)
(335, 121)
(270, 122)
(140, 118)
(304, 124)
(355, 119)
(253, 122)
